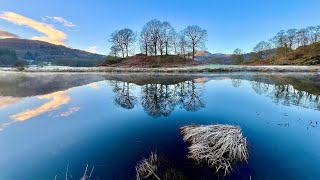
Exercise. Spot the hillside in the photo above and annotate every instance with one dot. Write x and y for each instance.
(304, 55)
(40, 51)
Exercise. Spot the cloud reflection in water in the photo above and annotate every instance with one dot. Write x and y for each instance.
(56, 100)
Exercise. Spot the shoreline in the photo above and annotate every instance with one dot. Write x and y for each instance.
(193, 69)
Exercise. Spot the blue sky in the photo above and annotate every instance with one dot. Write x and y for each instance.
(88, 24)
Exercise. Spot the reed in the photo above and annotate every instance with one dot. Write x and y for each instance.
(220, 146)
(148, 167)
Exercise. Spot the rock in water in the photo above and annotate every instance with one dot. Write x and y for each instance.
(220, 146)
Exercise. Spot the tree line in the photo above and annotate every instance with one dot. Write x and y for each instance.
(158, 38)
(7, 57)
(283, 42)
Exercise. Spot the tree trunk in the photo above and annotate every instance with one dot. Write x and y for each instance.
(127, 51)
(155, 49)
(193, 52)
(146, 49)
(166, 48)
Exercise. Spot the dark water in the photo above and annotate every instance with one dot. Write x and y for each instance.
(49, 122)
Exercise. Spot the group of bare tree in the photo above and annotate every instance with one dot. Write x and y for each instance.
(122, 41)
(285, 41)
(159, 38)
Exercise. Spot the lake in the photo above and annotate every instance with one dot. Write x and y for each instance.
(53, 124)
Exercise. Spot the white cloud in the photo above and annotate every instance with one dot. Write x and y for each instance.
(61, 20)
(52, 35)
(92, 49)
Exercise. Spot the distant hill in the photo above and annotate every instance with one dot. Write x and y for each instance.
(205, 56)
(40, 51)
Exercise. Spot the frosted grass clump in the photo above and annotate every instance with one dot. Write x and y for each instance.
(220, 146)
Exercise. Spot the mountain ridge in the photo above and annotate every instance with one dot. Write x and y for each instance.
(44, 51)
(206, 56)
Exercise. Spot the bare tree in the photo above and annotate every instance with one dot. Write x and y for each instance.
(144, 40)
(129, 38)
(175, 41)
(117, 40)
(261, 49)
(196, 37)
(183, 45)
(161, 45)
(281, 40)
(302, 37)
(237, 56)
(291, 37)
(166, 35)
(123, 39)
(154, 27)
(314, 33)
(114, 50)
(317, 34)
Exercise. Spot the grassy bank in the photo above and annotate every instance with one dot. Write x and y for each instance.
(193, 69)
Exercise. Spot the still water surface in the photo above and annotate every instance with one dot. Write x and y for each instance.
(49, 122)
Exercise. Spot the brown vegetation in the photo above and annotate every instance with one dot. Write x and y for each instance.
(152, 61)
(304, 55)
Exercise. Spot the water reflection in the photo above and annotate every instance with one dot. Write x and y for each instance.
(28, 109)
(70, 111)
(159, 95)
(160, 100)
(123, 96)
(5, 101)
(94, 86)
(56, 100)
(287, 94)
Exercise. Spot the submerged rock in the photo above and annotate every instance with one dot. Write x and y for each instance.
(220, 146)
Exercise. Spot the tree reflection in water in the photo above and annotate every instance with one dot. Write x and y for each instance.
(160, 99)
(124, 97)
(192, 101)
(285, 93)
